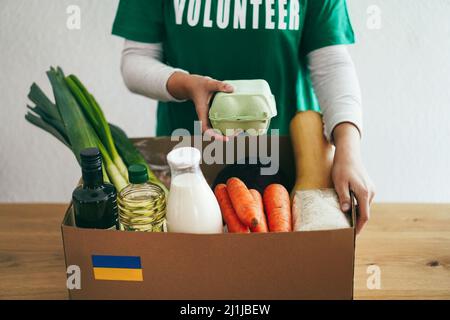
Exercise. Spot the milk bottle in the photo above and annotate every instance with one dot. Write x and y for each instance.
(192, 206)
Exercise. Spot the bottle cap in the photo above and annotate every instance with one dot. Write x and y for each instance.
(91, 159)
(91, 166)
(137, 173)
(182, 158)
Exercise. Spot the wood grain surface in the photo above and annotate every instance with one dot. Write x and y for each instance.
(409, 243)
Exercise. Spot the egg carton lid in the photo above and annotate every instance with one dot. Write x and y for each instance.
(250, 100)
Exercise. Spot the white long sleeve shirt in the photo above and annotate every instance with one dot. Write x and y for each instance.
(331, 68)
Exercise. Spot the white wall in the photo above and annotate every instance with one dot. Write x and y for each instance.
(404, 70)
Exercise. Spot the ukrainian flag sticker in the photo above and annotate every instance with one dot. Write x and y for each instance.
(117, 268)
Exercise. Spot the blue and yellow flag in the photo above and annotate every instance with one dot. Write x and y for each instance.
(119, 268)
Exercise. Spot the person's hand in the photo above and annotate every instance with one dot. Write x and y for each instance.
(200, 90)
(349, 173)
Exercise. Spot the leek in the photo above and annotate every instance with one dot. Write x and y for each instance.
(56, 124)
(78, 122)
(117, 179)
(43, 103)
(40, 123)
(95, 115)
(78, 130)
(131, 154)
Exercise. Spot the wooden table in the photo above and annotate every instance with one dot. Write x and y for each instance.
(409, 243)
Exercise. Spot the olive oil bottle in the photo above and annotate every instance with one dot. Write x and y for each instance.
(94, 202)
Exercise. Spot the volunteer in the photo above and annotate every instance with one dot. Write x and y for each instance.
(174, 49)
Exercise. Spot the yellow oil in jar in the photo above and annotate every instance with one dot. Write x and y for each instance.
(142, 205)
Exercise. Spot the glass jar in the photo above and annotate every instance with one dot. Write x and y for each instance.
(192, 206)
(142, 205)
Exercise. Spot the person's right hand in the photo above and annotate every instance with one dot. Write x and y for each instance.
(200, 90)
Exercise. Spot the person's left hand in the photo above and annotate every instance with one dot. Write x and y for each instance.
(349, 173)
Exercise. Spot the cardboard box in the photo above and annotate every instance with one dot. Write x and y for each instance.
(296, 265)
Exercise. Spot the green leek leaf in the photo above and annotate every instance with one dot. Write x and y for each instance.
(97, 119)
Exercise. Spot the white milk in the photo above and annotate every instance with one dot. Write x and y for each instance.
(192, 206)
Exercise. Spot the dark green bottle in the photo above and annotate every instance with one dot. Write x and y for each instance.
(94, 202)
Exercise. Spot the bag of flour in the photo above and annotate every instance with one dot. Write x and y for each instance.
(318, 210)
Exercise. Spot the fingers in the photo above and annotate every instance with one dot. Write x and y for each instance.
(343, 192)
(212, 86)
(202, 113)
(202, 98)
(215, 86)
(216, 135)
(363, 196)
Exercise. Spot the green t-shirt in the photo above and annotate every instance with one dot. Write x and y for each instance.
(238, 39)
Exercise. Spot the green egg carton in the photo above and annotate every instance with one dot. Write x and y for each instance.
(249, 108)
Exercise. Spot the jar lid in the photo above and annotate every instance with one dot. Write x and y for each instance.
(182, 158)
(137, 173)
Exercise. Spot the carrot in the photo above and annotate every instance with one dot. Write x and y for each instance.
(228, 213)
(262, 226)
(243, 202)
(278, 208)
